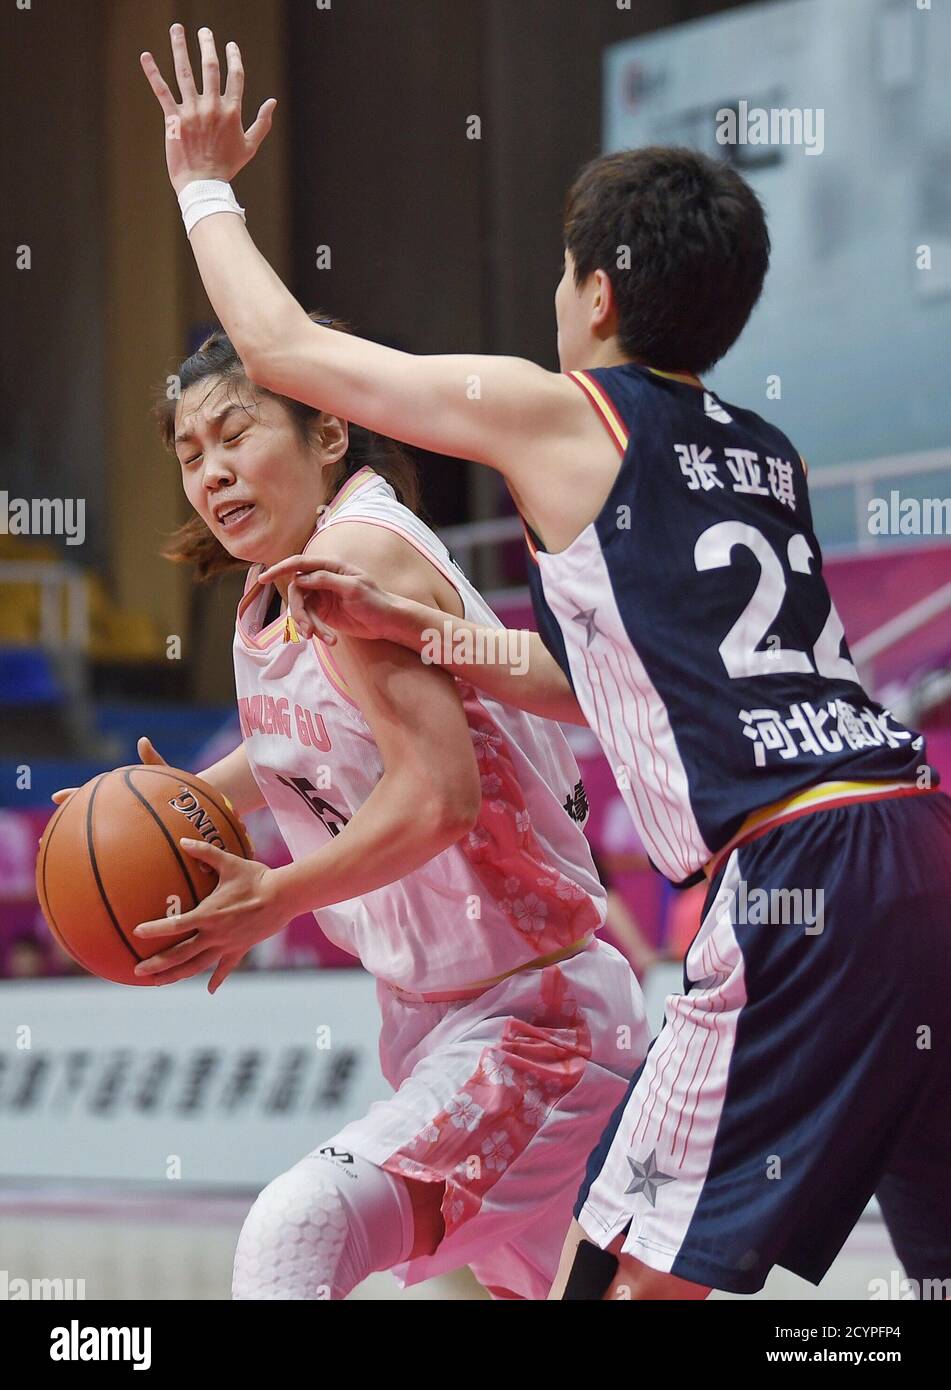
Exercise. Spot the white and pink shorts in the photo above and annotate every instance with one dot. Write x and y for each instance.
(502, 1098)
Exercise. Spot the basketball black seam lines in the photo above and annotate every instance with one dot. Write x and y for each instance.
(240, 835)
(70, 948)
(182, 863)
(99, 883)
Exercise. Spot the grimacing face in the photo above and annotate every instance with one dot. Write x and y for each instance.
(246, 470)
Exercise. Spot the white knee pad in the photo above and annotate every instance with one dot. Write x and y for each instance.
(319, 1229)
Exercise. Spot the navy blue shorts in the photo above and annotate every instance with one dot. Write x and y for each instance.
(806, 1066)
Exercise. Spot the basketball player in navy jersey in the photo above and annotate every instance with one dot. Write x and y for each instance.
(677, 584)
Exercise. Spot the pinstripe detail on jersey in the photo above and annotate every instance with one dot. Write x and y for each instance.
(622, 705)
(672, 1125)
(661, 835)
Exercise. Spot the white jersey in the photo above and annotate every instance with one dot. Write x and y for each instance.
(521, 884)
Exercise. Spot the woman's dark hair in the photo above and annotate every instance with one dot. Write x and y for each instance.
(216, 359)
(683, 240)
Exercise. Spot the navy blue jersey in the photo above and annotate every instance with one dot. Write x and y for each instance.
(696, 628)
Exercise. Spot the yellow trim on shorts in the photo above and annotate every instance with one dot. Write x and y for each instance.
(810, 799)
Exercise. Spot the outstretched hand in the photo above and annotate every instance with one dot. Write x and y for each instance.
(204, 134)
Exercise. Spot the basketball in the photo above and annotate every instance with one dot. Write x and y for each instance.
(111, 858)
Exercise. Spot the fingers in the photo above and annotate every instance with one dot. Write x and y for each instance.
(327, 579)
(234, 84)
(158, 84)
(183, 68)
(149, 754)
(166, 972)
(210, 67)
(305, 564)
(224, 969)
(174, 955)
(290, 565)
(170, 926)
(211, 855)
(297, 608)
(306, 615)
(63, 795)
(256, 133)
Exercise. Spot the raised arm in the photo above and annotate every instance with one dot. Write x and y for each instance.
(502, 411)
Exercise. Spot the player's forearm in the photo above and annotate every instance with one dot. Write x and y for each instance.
(232, 776)
(512, 665)
(435, 402)
(255, 307)
(283, 350)
(400, 827)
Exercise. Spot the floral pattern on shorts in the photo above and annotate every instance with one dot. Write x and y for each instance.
(493, 1117)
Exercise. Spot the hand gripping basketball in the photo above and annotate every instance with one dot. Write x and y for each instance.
(241, 911)
(146, 842)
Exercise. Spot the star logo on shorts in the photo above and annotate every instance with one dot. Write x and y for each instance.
(586, 617)
(647, 1177)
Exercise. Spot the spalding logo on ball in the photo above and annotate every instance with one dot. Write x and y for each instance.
(111, 858)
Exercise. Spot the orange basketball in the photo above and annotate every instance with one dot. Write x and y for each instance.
(110, 858)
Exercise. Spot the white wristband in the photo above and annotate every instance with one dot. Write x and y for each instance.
(203, 197)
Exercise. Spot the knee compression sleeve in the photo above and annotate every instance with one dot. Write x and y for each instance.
(319, 1229)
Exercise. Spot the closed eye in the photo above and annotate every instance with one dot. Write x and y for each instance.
(231, 439)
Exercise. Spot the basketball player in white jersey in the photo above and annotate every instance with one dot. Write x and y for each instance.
(437, 836)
